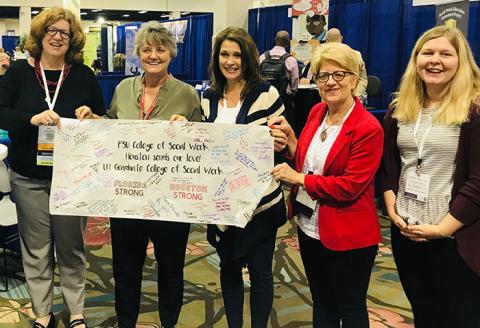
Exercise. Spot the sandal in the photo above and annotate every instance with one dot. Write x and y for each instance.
(77, 322)
(51, 323)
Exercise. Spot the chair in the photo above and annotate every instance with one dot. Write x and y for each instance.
(8, 214)
(374, 90)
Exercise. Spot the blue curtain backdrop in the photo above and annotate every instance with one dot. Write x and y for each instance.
(264, 23)
(201, 45)
(9, 43)
(385, 31)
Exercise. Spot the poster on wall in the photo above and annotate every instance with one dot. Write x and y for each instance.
(453, 15)
(309, 27)
(132, 63)
(177, 28)
(309, 7)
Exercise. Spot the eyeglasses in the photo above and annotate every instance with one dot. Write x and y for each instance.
(52, 31)
(314, 22)
(324, 76)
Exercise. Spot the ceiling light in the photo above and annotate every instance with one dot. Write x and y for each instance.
(184, 13)
(164, 15)
(125, 15)
(143, 12)
(34, 12)
(96, 10)
(83, 13)
(100, 20)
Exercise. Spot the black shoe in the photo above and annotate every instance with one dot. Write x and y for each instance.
(77, 322)
(51, 323)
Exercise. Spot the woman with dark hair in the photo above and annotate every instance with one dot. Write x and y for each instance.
(430, 178)
(239, 96)
(50, 78)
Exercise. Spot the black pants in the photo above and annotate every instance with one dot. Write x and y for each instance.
(288, 103)
(129, 243)
(442, 289)
(259, 263)
(338, 282)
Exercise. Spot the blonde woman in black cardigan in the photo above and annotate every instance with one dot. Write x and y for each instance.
(431, 180)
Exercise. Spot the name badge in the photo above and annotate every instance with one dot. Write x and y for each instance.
(417, 186)
(45, 144)
(304, 199)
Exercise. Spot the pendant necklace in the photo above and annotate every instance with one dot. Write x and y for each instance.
(323, 133)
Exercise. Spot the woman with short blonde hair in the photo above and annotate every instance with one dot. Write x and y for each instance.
(336, 158)
(155, 95)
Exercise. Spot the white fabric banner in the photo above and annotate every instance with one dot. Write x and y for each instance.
(434, 2)
(186, 172)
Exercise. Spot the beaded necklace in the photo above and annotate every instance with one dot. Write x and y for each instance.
(38, 75)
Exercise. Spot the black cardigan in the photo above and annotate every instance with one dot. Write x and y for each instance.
(465, 200)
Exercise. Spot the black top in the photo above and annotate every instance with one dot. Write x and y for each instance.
(22, 97)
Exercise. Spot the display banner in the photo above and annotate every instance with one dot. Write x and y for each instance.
(434, 2)
(309, 7)
(454, 15)
(132, 62)
(158, 170)
(178, 29)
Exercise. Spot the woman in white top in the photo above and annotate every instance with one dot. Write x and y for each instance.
(430, 176)
(238, 95)
(336, 158)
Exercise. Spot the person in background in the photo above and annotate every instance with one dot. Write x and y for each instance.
(430, 179)
(119, 62)
(306, 76)
(97, 66)
(4, 62)
(155, 95)
(336, 158)
(238, 95)
(34, 93)
(316, 27)
(18, 54)
(279, 53)
(334, 35)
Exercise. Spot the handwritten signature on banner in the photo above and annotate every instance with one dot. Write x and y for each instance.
(157, 170)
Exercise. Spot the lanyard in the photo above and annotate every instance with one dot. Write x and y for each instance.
(143, 115)
(420, 145)
(48, 100)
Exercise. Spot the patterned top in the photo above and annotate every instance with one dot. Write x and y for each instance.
(438, 161)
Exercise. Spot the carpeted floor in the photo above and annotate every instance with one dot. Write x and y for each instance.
(203, 306)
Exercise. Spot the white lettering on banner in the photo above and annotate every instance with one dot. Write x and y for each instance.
(180, 171)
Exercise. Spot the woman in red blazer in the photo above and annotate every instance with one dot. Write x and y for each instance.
(336, 157)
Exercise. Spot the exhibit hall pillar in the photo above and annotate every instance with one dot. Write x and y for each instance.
(25, 19)
(73, 6)
(237, 13)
